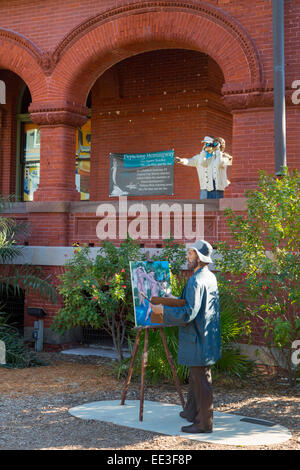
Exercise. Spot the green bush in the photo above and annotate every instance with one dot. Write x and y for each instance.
(14, 278)
(17, 354)
(97, 292)
(27, 277)
(265, 262)
(158, 368)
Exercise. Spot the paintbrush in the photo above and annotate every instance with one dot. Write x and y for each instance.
(145, 297)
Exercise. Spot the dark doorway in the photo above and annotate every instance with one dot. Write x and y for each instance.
(12, 303)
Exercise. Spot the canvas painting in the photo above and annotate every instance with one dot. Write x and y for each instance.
(148, 279)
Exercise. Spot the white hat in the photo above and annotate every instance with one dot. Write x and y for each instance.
(208, 140)
(204, 250)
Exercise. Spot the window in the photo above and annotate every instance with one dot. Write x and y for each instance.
(83, 160)
(31, 160)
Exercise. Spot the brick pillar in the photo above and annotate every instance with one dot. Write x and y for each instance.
(58, 125)
(252, 139)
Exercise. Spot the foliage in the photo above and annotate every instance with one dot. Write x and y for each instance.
(234, 364)
(97, 292)
(265, 261)
(9, 230)
(14, 278)
(158, 367)
(17, 355)
(174, 252)
(25, 277)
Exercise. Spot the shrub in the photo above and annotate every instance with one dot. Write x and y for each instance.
(17, 354)
(265, 262)
(97, 292)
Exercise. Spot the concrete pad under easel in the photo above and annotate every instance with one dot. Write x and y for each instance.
(163, 418)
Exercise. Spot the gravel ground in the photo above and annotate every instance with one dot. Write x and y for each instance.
(34, 408)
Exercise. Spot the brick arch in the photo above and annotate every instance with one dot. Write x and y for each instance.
(22, 57)
(110, 37)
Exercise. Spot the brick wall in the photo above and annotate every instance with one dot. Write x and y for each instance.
(33, 17)
(156, 80)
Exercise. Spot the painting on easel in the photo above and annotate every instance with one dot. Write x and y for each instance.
(148, 279)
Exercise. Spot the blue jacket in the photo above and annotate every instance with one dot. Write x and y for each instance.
(198, 321)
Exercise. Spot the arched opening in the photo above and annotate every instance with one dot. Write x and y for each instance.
(159, 100)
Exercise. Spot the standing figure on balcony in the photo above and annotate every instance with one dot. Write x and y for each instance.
(211, 164)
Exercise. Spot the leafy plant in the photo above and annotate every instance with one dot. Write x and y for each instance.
(174, 252)
(14, 278)
(97, 292)
(25, 277)
(264, 261)
(17, 354)
(158, 368)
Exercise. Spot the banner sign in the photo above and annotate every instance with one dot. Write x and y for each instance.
(142, 174)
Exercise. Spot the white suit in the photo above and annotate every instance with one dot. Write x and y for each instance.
(211, 169)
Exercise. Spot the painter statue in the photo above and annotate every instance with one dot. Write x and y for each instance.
(211, 164)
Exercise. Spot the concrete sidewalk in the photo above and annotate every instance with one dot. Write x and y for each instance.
(163, 418)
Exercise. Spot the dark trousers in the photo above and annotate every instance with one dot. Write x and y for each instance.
(199, 406)
(215, 194)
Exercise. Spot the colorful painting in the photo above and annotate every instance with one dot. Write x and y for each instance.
(148, 279)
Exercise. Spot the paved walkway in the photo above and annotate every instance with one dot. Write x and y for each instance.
(163, 418)
(100, 351)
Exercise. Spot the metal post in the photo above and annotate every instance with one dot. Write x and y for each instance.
(279, 86)
(38, 334)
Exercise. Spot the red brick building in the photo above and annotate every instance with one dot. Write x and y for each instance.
(84, 79)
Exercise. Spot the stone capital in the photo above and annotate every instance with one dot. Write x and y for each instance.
(57, 114)
(253, 99)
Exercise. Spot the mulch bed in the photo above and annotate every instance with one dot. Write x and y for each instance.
(35, 401)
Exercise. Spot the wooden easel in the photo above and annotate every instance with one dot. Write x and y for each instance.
(144, 365)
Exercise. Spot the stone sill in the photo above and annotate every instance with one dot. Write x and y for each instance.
(210, 205)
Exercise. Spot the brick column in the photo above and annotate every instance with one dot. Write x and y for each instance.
(58, 123)
(252, 139)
